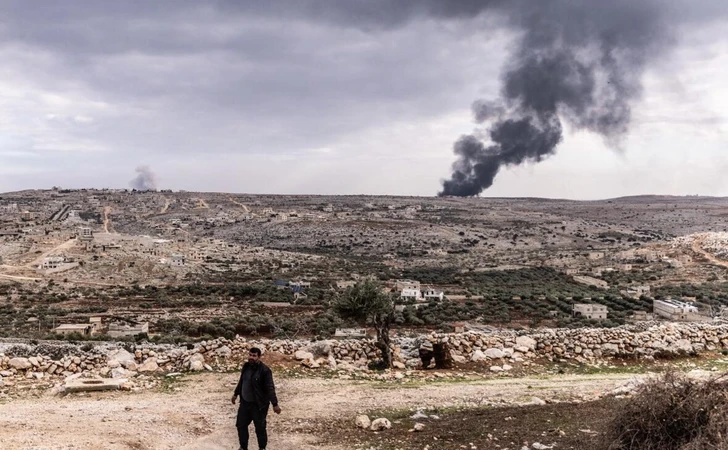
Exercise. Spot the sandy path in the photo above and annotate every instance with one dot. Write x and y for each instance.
(198, 415)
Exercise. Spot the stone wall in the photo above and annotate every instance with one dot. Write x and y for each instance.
(119, 360)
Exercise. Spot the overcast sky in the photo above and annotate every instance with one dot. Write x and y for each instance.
(316, 97)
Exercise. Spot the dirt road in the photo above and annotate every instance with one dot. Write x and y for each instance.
(697, 247)
(196, 412)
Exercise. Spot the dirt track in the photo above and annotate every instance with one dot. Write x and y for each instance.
(196, 413)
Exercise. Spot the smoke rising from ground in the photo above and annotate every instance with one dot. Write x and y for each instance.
(577, 61)
(145, 179)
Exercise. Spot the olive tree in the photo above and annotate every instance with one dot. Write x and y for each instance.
(367, 302)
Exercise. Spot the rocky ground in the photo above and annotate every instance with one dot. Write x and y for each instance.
(194, 411)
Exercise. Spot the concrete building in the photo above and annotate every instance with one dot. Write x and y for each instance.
(410, 294)
(84, 329)
(177, 260)
(636, 291)
(85, 234)
(51, 262)
(127, 329)
(674, 310)
(432, 294)
(590, 310)
(406, 284)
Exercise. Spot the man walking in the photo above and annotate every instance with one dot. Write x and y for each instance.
(257, 392)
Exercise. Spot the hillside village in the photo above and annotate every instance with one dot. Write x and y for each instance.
(450, 262)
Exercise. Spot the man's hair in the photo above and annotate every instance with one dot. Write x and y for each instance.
(255, 350)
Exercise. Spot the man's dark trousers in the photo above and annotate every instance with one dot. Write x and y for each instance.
(249, 412)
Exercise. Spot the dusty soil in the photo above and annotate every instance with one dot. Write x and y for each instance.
(559, 425)
(196, 413)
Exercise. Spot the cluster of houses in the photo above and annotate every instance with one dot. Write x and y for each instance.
(96, 326)
(412, 290)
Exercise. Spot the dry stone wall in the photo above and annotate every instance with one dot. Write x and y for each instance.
(123, 361)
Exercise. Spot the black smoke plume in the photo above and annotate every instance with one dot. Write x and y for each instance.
(145, 179)
(577, 61)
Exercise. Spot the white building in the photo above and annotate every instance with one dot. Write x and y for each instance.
(590, 310)
(674, 310)
(432, 294)
(413, 294)
(51, 262)
(178, 260)
(85, 234)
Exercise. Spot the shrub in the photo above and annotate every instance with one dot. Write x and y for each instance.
(672, 413)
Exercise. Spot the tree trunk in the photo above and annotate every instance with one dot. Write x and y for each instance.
(382, 326)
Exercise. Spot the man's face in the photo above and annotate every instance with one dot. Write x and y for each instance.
(253, 358)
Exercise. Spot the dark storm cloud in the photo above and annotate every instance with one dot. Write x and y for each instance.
(245, 75)
(184, 76)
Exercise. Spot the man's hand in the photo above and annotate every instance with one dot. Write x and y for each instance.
(277, 409)
(234, 398)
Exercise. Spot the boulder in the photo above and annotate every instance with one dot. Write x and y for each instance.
(363, 421)
(20, 363)
(302, 355)
(419, 426)
(478, 356)
(120, 355)
(150, 365)
(224, 352)
(380, 424)
(527, 342)
(494, 353)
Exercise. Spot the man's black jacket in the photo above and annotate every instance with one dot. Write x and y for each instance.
(263, 387)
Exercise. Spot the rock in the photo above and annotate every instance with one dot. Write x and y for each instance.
(34, 361)
(478, 356)
(527, 342)
(494, 353)
(113, 364)
(320, 348)
(610, 349)
(120, 355)
(536, 401)
(197, 362)
(380, 424)
(224, 352)
(540, 446)
(363, 421)
(302, 355)
(20, 363)
(118, 372)
(496, 369)
(507, 367)
(310, 363)
(129, 365)
(419, 415)
(399, 365)
(150, 365)
(419, 426)
(458, 358)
